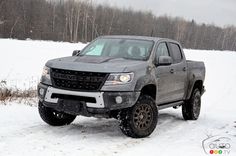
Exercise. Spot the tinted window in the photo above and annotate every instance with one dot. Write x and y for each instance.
(96, 50)
(119, 48)
(177, 56)
(114, 51)
(162, 50)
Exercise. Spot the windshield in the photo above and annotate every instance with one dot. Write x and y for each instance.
(119, 48)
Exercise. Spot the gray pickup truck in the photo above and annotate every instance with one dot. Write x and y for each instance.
(129, 78)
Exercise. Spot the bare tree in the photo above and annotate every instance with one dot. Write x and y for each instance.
(80, 20)
(76, 27)
(12, 28)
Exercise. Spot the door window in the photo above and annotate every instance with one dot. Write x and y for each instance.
(162, 50)
(177, 55)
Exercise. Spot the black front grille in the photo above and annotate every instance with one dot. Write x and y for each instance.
(73, 97)
(77, 80)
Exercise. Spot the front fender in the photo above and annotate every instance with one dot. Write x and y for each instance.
(144, 81)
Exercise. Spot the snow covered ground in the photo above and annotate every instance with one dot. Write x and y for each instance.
(22, 62)
(22, 132)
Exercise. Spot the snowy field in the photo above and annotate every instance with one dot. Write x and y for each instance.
(22, 132)
(22, 62)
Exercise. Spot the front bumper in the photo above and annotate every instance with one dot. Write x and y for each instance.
(85, 103)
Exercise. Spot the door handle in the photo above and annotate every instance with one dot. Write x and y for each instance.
(184, 69)
(172, 71)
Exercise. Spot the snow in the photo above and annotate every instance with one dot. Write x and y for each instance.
(22, 62)
(22, 132)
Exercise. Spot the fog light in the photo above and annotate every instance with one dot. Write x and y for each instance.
(41, 91)
(119, 99)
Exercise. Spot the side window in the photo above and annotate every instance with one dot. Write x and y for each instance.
(162, 50)
(177, 55)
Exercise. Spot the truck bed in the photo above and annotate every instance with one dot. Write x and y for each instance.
(196, 71)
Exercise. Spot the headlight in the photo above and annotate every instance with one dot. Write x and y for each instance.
(46, 76)
(46, 72)
(121, 78)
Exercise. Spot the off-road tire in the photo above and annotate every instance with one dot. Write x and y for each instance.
(140, 120)
(191, 108)
(53, 117)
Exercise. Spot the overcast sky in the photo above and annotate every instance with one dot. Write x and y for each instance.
(219, 12)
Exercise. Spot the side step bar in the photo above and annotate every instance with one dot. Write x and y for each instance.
(163, 106)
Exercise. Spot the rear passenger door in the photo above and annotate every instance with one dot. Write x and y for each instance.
(179, 71)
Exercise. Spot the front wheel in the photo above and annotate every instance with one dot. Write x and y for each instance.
(53, 117)
(191, 108)
(140, 120)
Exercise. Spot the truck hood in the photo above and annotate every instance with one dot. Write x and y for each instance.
(96, 64)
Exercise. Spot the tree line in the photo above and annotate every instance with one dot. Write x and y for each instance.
(82, 21)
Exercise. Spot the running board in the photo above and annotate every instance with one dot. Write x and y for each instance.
(163, 106)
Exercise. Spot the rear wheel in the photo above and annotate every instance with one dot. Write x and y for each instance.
(191, 108)
(53, 117)
(140, 120)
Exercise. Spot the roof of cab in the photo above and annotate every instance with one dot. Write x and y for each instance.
(132, 37)
(138, 37)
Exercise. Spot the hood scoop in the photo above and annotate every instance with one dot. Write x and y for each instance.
(93, 59)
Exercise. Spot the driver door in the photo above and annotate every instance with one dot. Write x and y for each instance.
(164, 77)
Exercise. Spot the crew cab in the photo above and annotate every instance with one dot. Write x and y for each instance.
(129, 78)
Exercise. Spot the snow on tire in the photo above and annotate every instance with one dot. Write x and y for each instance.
(140, 120)
(53, 117)
(191, 108)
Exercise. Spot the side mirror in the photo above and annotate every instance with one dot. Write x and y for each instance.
(75, 52)
(164, 61)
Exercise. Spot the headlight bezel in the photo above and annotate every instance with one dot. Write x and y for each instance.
(46, 72)
(119, 78)
(45, 77)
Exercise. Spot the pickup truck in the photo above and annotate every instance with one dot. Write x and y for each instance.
(129, 78)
